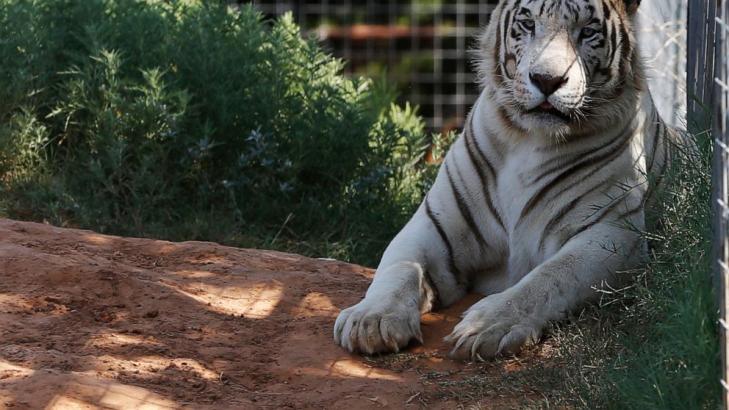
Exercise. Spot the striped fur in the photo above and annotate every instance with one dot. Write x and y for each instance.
(532, 203)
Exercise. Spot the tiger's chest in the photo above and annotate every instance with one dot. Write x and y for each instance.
(514, 192)
(543, 195)
(526, 188)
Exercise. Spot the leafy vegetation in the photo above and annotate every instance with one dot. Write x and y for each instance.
(189, 120)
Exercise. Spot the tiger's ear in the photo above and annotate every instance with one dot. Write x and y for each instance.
(631, 6)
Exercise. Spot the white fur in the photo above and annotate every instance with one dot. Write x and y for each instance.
(528, 281)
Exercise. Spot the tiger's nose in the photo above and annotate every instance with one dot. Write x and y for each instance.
(547, 84)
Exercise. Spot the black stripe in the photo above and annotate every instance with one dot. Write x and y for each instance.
(449, 248)
(566, 158)
(468, 136)
(605, 10)
(595, 161)
(582, 154)
(504, 43)
(481, 152)
(621, 217)
(464, 209)
(605, 211)
(596, 169)
(625, 51)
(613, 51)
(559, 216)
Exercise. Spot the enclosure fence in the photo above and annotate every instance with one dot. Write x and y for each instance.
(708, 100)
(420, 45)
(721, 134)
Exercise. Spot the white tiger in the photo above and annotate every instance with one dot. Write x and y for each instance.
(532, 203)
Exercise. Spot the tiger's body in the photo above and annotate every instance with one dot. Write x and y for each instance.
(533, 205)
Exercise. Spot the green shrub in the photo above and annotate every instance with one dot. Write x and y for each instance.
(195, 121)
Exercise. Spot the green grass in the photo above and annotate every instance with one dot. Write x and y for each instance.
(654, 344)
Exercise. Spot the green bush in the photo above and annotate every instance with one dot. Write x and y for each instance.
(192, 120)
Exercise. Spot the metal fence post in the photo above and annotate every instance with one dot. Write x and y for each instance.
(721, 174)
(708, 100)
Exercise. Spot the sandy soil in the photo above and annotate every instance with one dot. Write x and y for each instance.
(94, 321)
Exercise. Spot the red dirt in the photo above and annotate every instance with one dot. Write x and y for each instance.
(95, 321)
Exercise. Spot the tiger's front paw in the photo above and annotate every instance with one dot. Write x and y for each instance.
(493, 326)
(376, 327)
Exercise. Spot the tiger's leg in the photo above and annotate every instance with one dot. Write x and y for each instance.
(405, 284)
(503, 323)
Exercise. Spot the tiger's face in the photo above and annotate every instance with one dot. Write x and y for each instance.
(559, 64)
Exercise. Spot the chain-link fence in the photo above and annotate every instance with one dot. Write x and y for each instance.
(708, 100)
(420, 45)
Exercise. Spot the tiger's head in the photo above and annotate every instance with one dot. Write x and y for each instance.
(560, 66)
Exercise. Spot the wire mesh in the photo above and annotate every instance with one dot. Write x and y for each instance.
(420, 45)
(708, 100)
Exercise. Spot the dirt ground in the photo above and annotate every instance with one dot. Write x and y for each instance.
(94, 321)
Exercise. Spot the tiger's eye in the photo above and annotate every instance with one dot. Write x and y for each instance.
(528, 24)
(587, 32)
